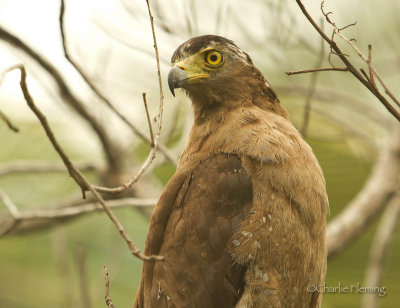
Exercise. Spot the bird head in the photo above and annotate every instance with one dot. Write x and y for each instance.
(214, 71)
(207, 62)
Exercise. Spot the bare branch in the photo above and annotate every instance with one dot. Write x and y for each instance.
(80, 259)
(311, 89)
(8, 122)
(74, 172)
(14, 212)
(371, 73)
(122, 40)
(41, 167)
(379, 250)
(148, 120)
(336, 50)
(152, 153)
(371, 68)
(54, 215)
(163, 149)
(377, 191)
(336, 96)
(110, 148)
(109, 302)
(78, 210)
(338, 69)
(10, 205)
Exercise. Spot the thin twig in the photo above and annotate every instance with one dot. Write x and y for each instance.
(85, 208)
(121, 39)
(109, 302)
(148, 119)
(339, 69)
(8, 122)
(3, 116)
(163, 149)
(153, 150)
(371, 72)
(379, 250)
(55, 214)
(79, 178)
(311, 89)
(371, 68)
(109, 146)
(335, 48)
(10, 205)
(41, 167)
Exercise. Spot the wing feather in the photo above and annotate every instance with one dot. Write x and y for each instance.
(196, 216)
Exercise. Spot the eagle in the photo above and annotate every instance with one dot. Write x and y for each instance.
(242, 221)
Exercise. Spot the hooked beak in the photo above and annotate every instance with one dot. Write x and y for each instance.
(179, 77)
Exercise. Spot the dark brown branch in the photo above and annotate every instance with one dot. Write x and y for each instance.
(79, 178)
(163, 149)
(371, 72)
(8, 122)
(346, 61)
(109, 147)
(339, 69)
(109, 302)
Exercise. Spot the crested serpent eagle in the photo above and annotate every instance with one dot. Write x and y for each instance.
(242, 221)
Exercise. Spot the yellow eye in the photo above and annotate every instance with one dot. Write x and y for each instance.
(214, 58)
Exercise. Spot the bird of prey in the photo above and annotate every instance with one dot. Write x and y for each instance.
(242, 221)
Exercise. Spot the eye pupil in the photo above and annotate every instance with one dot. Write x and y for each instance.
(213, 58)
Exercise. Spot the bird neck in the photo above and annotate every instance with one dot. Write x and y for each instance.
(246, 88)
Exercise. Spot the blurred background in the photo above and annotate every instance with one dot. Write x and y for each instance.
(58, 262)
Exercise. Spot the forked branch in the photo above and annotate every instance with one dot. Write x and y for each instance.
(367, 81)
(79, 178)
(162, 148)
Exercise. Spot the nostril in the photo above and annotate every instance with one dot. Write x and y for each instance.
(181, 67)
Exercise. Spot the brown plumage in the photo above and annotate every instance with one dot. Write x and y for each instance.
(242, 221)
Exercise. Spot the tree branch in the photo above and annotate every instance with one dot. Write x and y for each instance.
(152, 153)
(109, 302)
(377, 191)
(314, 70)
(12, 208)
(336, 50)
(110, 148)
(73, 171)
(49, 216)
(80, 259)
(8, 122)
(41, 167)
(379, 250)
(73, 211)
(162, 148)
(311, 90)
